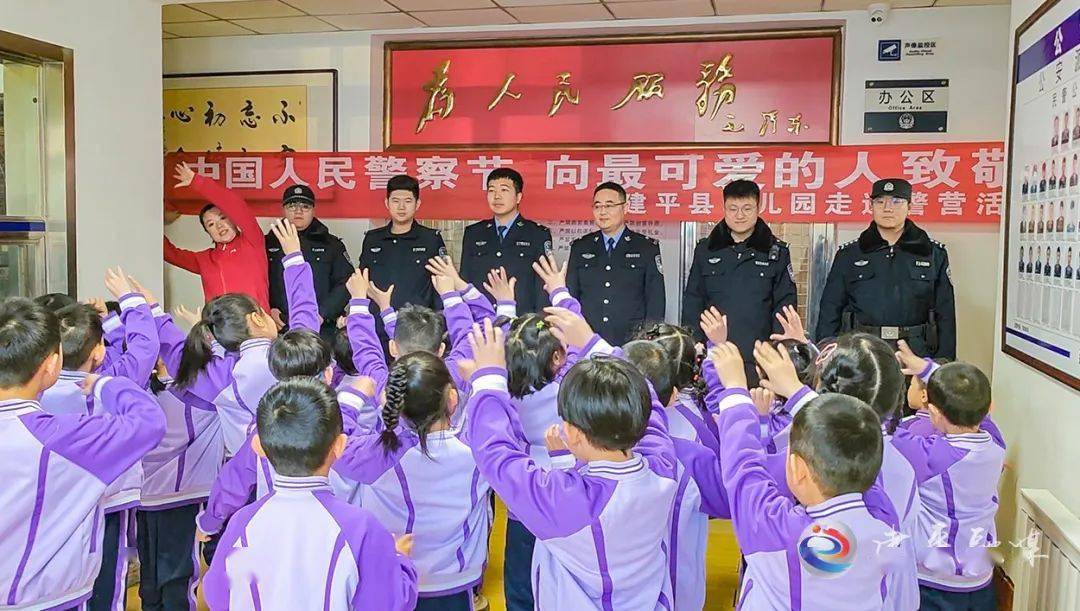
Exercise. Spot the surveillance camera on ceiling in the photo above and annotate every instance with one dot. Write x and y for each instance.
(879, 12)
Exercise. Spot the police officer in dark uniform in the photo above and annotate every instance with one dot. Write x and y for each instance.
(506, 241)
(616, 273)
(892, 282)
(743, 270)
(325, 252)
(396, 253)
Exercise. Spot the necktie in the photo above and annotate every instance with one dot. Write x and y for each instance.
(502, 232)
(610, 245)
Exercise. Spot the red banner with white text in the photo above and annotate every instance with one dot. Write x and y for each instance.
(953, 182)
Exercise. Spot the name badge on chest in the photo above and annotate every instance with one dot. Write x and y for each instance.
(633, 255)
(762, 263)
(922, 264)
(420, 249)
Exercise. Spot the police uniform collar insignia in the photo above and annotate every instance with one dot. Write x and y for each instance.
(913, 240)
(762, 238)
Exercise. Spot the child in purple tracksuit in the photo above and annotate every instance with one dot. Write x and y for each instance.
(56, 468)
(820, 553)
(600, 529)
(919, 422)
(243, 328)
(958, 467)
(300, 547)
(418, 477)
(81, 334)
(864, 367)
(689, 533)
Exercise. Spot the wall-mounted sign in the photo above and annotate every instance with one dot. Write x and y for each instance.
(746, 88)
(900, 106)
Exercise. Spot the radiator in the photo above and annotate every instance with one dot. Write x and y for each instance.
(1047, 555)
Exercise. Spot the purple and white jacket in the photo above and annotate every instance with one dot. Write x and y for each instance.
(958, 477)
(55, 471)
(301, 547)
(824, 556)
(919, 424)
(251, 374)
(134, 363)
(601, 530)
(439, 497)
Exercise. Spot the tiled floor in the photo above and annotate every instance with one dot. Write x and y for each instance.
(722, 562)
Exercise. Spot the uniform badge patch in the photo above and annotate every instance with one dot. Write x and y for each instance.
(376, 249)
(633, 255)
(862, 262)
(421, 249)
(762, 263)
(714, 260)
(922, 263)
(442, 251)
(827, 549)
(659, 264)
(523, 243)
(481, 243)
(587, 255)
(547, 247)
(791, 272)
(948, 273)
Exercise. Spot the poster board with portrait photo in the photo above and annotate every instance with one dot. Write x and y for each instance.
(1041, 313)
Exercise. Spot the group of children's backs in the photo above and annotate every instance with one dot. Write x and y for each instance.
(376, 495)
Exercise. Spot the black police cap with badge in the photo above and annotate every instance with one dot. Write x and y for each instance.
(894, 187)
(298, 194)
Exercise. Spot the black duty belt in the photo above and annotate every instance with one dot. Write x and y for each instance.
(894, 333)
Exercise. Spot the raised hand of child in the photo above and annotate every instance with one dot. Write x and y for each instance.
(379, 296)
(763, 400)
(553, 439)
(911, 364)
(200, 536)
(714, 325)
(275, 314)
(191, 317)
(486, 342)
(365, 384)
(139, 288)
(286, 233)
(550, 272)
(570, 329)
(403, 544)
(500, 287)
(99, 305)
(443, 284)
(184, 175)
(780, 374)
(729, 365)
(790, 324)
(466, 367)
(443, 265)
(88, 383)
(358, 284)
(117, 283)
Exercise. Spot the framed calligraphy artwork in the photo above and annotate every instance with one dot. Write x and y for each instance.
(664, 91)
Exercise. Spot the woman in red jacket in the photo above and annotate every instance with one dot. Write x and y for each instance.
(237, 261)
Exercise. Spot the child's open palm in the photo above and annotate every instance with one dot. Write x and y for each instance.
(286, 233)
(486, 342)
(714, 325)
(910, 363)
(117, 283)
(781, 376)
(500, 287)
(379, 296)
(729, 365)
(791, 324)
(570, 329)
(358, 284)
(550, 272)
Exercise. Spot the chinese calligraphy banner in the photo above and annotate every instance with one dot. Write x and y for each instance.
(955, 182)
(217, 119)
(771, 87)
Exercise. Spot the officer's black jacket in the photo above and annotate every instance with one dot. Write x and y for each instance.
(891, 286)
(748, 281)
(525, 242)
(619, 292)
(399, 259)
(330, 268)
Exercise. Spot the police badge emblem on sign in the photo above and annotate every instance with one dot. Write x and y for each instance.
(659, 264)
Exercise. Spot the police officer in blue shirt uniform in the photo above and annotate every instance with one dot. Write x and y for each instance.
(396, 253)
(616, 273)
(743, 270)
(507, 240)
(893, 281)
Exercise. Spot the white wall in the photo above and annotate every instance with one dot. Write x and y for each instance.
(117, 45)
(1038, 416)
(973, 43)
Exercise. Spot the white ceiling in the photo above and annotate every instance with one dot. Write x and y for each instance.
(251, 17)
